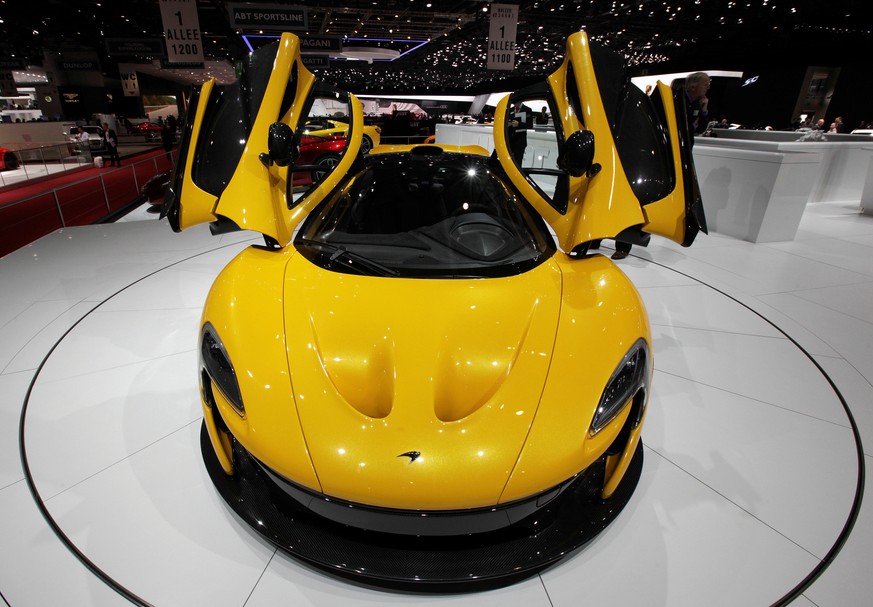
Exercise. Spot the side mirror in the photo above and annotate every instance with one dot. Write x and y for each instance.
(577, 157)
(282, 145)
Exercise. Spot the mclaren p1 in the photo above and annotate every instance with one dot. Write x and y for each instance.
(424, 376)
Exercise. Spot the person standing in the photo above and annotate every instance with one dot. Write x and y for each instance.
(520, 120)
(168, 138)
(622, 249)
(82, 141)
(111, 140)
(697, 103)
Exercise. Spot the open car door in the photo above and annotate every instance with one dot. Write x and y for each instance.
(612, 163)
(232, 155)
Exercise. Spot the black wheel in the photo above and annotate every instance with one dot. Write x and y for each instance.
(10, 160)
(329, 162)
(366, 144)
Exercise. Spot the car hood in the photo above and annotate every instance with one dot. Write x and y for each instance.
(417, 393)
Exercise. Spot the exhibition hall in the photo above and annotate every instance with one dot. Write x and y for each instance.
(524, 303)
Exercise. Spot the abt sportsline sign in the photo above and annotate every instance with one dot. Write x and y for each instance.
(182, 31)
(275, 17)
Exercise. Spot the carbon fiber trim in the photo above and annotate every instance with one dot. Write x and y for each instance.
(421, 564)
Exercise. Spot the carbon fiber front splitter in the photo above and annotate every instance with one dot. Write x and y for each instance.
(424, 564)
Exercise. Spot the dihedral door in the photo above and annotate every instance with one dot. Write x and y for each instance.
(642, 177)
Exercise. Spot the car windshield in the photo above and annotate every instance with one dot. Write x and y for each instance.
(425, 215)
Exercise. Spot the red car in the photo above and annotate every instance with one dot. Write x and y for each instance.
(8, 159)
(154, 189)
(151, 130)
(317, 152)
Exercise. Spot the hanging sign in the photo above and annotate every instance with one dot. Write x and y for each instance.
(182, 31)
(134, 47)
(129, 81)
(501, 36)
(268, 16)
(85, 65)
(316, 61)
(320, 44)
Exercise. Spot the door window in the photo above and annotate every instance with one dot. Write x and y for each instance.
(534, 137)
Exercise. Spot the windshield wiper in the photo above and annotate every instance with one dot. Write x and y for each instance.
(350, 258)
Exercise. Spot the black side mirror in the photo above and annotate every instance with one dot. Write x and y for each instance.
(282, 146)
(577, 157)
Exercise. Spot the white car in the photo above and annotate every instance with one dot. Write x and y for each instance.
(95, 137)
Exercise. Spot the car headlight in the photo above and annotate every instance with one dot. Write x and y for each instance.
(630, 375)
(216, 362)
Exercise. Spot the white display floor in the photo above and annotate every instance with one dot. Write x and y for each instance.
(751, 462)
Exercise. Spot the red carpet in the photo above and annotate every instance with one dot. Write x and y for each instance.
(19, 191)
(77, 197)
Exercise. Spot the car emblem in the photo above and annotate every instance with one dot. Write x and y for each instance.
(412, 455)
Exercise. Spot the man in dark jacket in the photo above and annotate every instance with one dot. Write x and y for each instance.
(696, 87)
(168, 138)
(521, 119)
(111, 140)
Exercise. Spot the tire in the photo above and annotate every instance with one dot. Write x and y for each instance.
(329, 162)
(366, 145)
(10, 160)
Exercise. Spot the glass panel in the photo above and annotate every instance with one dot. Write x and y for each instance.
(643, 145)
(323, 137)
(533, 142)
(228, 121)
(436, 215)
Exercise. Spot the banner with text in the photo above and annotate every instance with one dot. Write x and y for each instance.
(501, 36)
(134, 47)
(269, 17)
(129, 80)
(182, 31)
(316, 62)
(321, 44)
(80, 65)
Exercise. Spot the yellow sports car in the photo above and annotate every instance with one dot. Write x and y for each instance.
(330, 127)
(424, 377)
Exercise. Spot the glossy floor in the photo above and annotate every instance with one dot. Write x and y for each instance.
(751, 462)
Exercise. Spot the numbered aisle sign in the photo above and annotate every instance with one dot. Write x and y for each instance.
(501, 37)
(182, 31)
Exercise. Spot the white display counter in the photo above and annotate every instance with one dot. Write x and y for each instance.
(757, 190)
(23, 135)
(843, 168)
(752, 188)
(755, 195)
(540, 141)
(465, 134)
(867, 191)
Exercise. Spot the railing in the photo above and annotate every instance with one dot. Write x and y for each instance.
(46, 160)
(81, 202)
